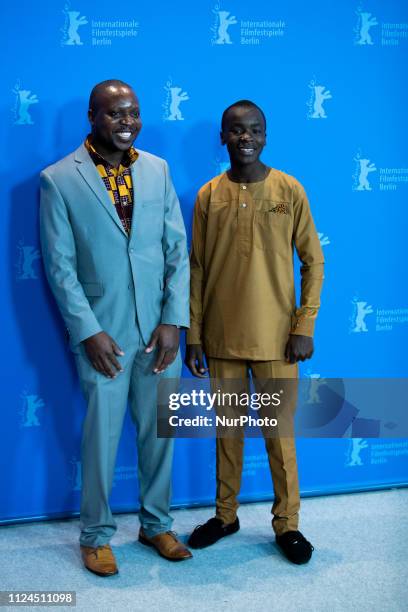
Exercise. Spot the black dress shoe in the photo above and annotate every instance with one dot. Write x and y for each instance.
(212, 531)
(295, 547)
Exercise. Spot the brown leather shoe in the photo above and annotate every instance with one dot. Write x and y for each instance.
(167, 545)
(101, 561)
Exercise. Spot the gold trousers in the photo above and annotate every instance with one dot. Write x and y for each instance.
(227, 375)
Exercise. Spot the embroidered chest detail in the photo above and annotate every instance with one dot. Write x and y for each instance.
(281, 208)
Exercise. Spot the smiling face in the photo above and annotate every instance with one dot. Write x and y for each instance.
(115, 118)
(243, 132)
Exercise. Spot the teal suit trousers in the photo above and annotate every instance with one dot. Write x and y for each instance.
(107, 400)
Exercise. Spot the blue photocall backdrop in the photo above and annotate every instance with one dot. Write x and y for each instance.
(330, 77)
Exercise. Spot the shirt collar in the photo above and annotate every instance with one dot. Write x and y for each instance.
(129, 157)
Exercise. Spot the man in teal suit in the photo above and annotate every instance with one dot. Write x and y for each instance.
(115, 255)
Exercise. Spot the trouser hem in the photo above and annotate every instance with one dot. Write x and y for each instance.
(226, 521)
(150, 531)
(94, 542)
(282, 526)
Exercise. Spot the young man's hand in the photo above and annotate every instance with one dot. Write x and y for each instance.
(195, 360)
(298, 348)
(167, 339)
(101, 350)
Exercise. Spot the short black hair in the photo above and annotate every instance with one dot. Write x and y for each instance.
(99, 87)
(242, 103)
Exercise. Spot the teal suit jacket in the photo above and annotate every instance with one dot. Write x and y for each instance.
(101, 279)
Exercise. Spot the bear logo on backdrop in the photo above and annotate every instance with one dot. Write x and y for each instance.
(365, 21)
(379, 452)
(249, 32)
(315, 382)
(388, 33)
(386, 179)
(360, 311)
(318, 95)
(364, 167)
(23, 100)
(102, 30)
(73, 21)
(29, 411)
(27, 255)
(174, 97)
(384, 321)
(356, 446)
(221, 23)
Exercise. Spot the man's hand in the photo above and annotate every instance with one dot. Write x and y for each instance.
(167, 339)
(101, 350)
(298, 348)
(195, 360)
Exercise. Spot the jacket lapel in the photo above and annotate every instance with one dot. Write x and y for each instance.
(138, 182)
(89, 173)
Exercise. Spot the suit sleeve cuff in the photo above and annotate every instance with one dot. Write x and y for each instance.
(193, 336)
(85, 331)
(302, 326)
(176, 321)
